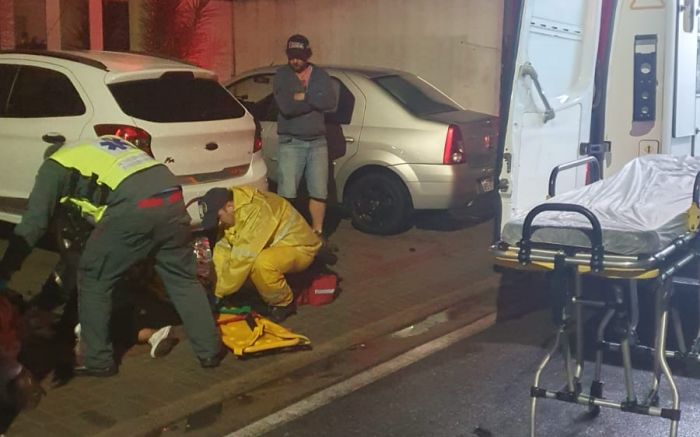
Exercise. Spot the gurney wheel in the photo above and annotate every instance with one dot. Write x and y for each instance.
(654, 401)
(593, 411)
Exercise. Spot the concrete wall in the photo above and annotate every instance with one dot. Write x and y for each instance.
(454, 44)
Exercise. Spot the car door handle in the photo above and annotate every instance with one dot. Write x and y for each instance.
(349, 139)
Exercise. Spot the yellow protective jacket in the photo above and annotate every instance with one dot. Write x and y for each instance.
(262, 220)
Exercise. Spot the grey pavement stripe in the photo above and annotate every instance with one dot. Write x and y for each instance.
(363, 379)
(157, 418)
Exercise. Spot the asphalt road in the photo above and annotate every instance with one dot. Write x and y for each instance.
(480, 387)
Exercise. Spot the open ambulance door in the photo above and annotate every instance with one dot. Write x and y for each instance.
(546, 118)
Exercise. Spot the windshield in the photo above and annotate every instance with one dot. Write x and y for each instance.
(414, 94)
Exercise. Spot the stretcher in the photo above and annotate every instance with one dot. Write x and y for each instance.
(637, 227)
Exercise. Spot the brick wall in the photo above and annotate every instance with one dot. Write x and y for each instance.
(7, 24)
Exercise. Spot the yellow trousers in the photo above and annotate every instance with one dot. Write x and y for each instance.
(271, 265)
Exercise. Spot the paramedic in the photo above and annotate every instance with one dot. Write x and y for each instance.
(261, 236)
(137, 209)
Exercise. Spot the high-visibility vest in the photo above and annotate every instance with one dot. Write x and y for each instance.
(107, 161)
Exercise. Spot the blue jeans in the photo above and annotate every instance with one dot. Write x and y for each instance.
(308, 158)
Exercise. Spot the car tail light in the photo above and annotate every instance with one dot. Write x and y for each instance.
(454, 147)
(257, 144)
(136, 136)
(257, 141)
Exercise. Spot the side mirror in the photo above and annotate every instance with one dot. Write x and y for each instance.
(53, 138)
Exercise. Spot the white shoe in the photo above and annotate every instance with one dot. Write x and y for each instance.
(161, 342)
(78, 349)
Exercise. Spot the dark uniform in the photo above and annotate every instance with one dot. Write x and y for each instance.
(138, 211)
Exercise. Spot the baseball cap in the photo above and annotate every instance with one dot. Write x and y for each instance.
(298, 47)
(210, 204)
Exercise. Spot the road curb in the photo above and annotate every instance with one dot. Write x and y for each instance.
(155, 420)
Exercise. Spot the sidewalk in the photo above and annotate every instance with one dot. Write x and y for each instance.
(387, 283)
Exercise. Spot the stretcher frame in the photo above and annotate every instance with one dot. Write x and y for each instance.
(567, 265)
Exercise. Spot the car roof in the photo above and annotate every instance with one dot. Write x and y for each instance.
(367, 71)
(106, 60)
(119, 66)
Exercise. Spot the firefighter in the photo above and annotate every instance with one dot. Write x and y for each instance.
(262, 237)
(137, 209)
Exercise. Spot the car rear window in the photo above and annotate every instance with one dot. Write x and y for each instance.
(174, 98)
(415, 95)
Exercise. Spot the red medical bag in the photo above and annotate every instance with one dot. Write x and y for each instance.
(320, 291)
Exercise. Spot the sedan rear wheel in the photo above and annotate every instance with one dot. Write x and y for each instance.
(379, 204)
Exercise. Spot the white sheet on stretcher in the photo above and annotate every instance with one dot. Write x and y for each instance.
(641, 209)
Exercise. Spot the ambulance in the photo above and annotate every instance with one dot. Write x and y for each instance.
(612, 79)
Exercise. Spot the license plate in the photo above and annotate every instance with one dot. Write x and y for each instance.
(487, 184)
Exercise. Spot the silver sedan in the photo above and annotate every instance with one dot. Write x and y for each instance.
(398, 144)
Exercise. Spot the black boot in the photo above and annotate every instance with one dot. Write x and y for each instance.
(99, 372)
(279, 314)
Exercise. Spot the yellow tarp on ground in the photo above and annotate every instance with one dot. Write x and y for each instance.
(251, 334)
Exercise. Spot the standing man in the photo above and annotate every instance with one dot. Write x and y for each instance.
(303, 93)
(136, 206)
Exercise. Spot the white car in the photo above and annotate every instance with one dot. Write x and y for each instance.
(407, 145)
(177, 112)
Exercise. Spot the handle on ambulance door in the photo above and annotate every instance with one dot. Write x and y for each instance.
(528, 69)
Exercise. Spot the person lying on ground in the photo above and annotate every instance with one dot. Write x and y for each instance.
(141, 313)
(260, 236)
(18, 388)
(161, 341)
